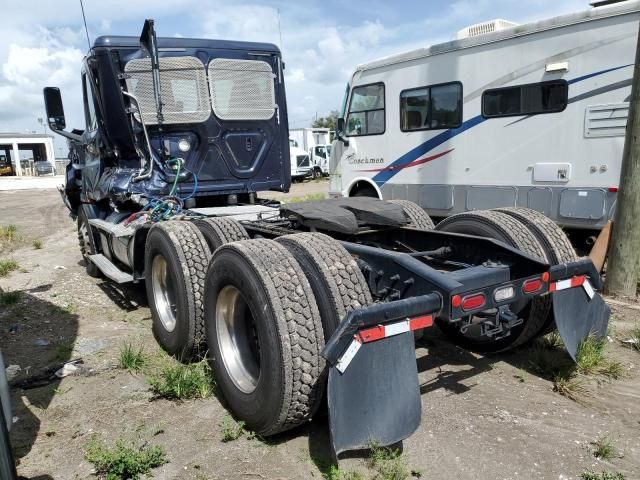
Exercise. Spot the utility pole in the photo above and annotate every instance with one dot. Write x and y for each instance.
(624, 258)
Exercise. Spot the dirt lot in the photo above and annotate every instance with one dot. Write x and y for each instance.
(483, 417)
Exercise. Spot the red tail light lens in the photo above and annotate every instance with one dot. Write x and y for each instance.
(456, 301)
(473, 301)
(531, 286)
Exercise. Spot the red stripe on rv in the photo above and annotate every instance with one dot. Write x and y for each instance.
(410, 164)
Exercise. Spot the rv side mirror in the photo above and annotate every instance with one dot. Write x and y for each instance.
(340, 131)
(53, 106)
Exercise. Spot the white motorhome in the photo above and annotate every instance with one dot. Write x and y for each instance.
(505, 115)
(317, 143)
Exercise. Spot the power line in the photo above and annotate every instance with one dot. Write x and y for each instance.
(86, 30)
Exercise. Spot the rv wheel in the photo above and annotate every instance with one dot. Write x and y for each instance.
(500, 226)
(219, 231)
(176, 259)
(336, 280)
(418, 218)
(552, 238)
(264, 334)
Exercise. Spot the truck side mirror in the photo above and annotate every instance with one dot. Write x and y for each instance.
(54, 108)
(340, 126)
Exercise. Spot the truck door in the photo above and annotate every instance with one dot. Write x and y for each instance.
(90, 141)
(244, 96)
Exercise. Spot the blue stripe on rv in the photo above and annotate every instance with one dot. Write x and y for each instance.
(383, 177)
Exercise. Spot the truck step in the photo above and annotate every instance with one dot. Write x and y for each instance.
(109, 269)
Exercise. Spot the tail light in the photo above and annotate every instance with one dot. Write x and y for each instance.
(473, 302)
(532, 286)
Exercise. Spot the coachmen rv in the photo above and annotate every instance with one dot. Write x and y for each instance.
(505, 115)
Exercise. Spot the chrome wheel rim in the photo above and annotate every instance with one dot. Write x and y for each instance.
(164, 295)
(237, 339)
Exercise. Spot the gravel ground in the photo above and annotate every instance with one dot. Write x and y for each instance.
(484, 417)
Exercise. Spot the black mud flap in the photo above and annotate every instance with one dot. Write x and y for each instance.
(377, 398)
(579, 312)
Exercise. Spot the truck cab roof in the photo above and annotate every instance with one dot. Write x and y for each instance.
(119, 41)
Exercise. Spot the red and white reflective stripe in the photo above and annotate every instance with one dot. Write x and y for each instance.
(568, 283)
(379, 332)
(578, 281)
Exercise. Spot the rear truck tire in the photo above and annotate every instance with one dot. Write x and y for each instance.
(87, 241)
(219, 231)
(337, 283)
(499, 226)
(176, 260)
(317, 173)
(264, 334)
(555, 242)
(418, 218)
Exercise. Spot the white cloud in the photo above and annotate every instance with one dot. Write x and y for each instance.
(43, 43)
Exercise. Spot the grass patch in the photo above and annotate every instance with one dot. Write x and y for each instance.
(132, 358)
(69, 308)
(37, 244)
(634, 336)
(612, 370)
(334, 473)
(9, 298)
(183, 381)
(230, 430)
(602, 476)
(549, 360)
(63, 352)
(8, 234)
(590, 355)
(604, 449)
(7, 266)
(307, 198)
(125, 460)
(387, 463)
(570, 386)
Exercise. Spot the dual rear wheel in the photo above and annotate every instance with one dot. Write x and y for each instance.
(263, 307)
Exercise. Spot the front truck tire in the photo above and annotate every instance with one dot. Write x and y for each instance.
(552, 238)
(176, 260)
(337, 283)
(418, 218)
(87, 241)
(219, 231)
(500, 226)
(264, 334)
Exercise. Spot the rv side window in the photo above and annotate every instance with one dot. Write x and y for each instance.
(531, 99)
(431, 108)
(366, 111)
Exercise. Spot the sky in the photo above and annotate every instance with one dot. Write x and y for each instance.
(42, 42)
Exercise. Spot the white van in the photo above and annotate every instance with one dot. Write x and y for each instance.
(506, 115)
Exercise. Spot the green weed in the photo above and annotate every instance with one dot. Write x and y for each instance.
(8, 233)
(7, 266)
(568, 385)
(69, 308)
(37, 244)
(635, 337)
(334, 473)
(230, 430)
(183, 381)
(590, 354)
(604, 449)
(602, 476)
(9, 298)
(63, 352)
(132, 358)
(125, 460)
(387, 463)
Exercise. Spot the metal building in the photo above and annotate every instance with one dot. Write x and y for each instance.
(20, 152)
